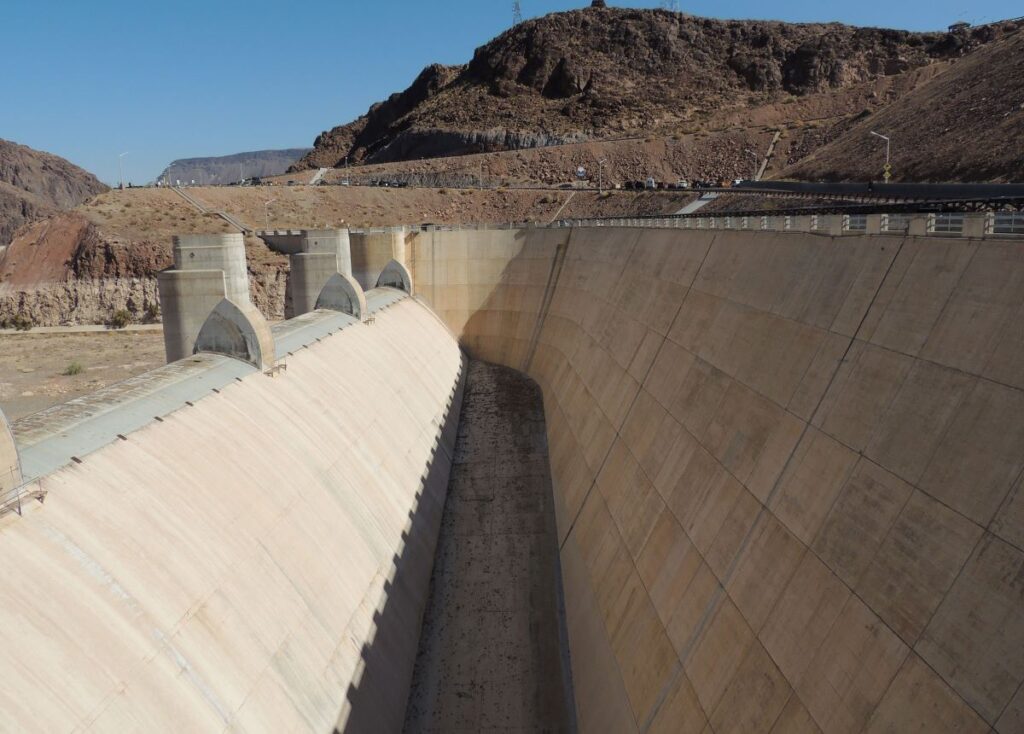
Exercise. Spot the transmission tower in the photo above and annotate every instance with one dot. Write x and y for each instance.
(517, 13)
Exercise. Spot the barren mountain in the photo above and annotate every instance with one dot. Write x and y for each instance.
(966, 124)
(34, 184)
(601, 73)
(230, 168)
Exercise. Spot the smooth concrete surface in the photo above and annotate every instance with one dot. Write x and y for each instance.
(334, 241)
(372, 250)
(224, 252)
(238, 331)
(787, 467)
(256, 560)
(187, 298)
(491, 649)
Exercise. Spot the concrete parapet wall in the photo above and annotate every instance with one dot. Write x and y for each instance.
(787, 467)
(257, 561)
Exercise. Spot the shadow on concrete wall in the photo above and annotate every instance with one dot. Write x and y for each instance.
(378, 701)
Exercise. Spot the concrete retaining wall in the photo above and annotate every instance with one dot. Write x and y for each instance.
(787, 467)
(256, 562)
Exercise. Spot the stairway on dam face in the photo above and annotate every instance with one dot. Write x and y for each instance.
(490, 649)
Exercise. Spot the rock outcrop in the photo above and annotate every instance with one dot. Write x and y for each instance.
(34, 184)
(601, 73)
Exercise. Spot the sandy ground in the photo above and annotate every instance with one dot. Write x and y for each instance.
(32, 365)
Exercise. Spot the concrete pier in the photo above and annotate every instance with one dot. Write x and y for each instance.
(206, 294)
(372, 251)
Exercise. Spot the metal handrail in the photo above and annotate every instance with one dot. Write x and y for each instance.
(11, 499)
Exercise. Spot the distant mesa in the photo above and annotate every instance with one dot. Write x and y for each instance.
(227, 169)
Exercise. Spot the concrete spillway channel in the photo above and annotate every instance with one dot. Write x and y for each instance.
(786, 480)
(491, 653)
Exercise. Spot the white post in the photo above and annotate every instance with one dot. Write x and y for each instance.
(120, 168)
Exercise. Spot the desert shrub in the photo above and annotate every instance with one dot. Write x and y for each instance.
(74, 368)
(120, 319)
(18, 321)
(152, 312)
(443, 192)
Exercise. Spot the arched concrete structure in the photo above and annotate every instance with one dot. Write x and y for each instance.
(10, 465)
(237, 331)
(395, 275)
(342, 293)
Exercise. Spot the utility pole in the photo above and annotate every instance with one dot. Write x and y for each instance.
(600, 175)
(120, 168)
(481, 179)
(887, 170)
(517, 13)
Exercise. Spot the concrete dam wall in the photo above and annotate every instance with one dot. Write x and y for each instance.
(255, 558)
(785, 471)
(786, 467)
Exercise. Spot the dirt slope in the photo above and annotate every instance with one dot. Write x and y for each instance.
(966, 124)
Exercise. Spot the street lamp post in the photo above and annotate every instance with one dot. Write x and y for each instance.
(120, 167)
(887, 171)
(757, 162)
(266, 212)
(600, 175)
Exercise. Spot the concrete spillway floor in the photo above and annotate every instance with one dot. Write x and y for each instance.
(490, 655)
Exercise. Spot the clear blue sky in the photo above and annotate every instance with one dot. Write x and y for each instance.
(168, 79)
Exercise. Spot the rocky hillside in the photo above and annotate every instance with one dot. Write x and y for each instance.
(34, 184)
(600, 73)
(230, 168)
(966, 124)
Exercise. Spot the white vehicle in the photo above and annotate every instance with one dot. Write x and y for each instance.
(682, 184)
